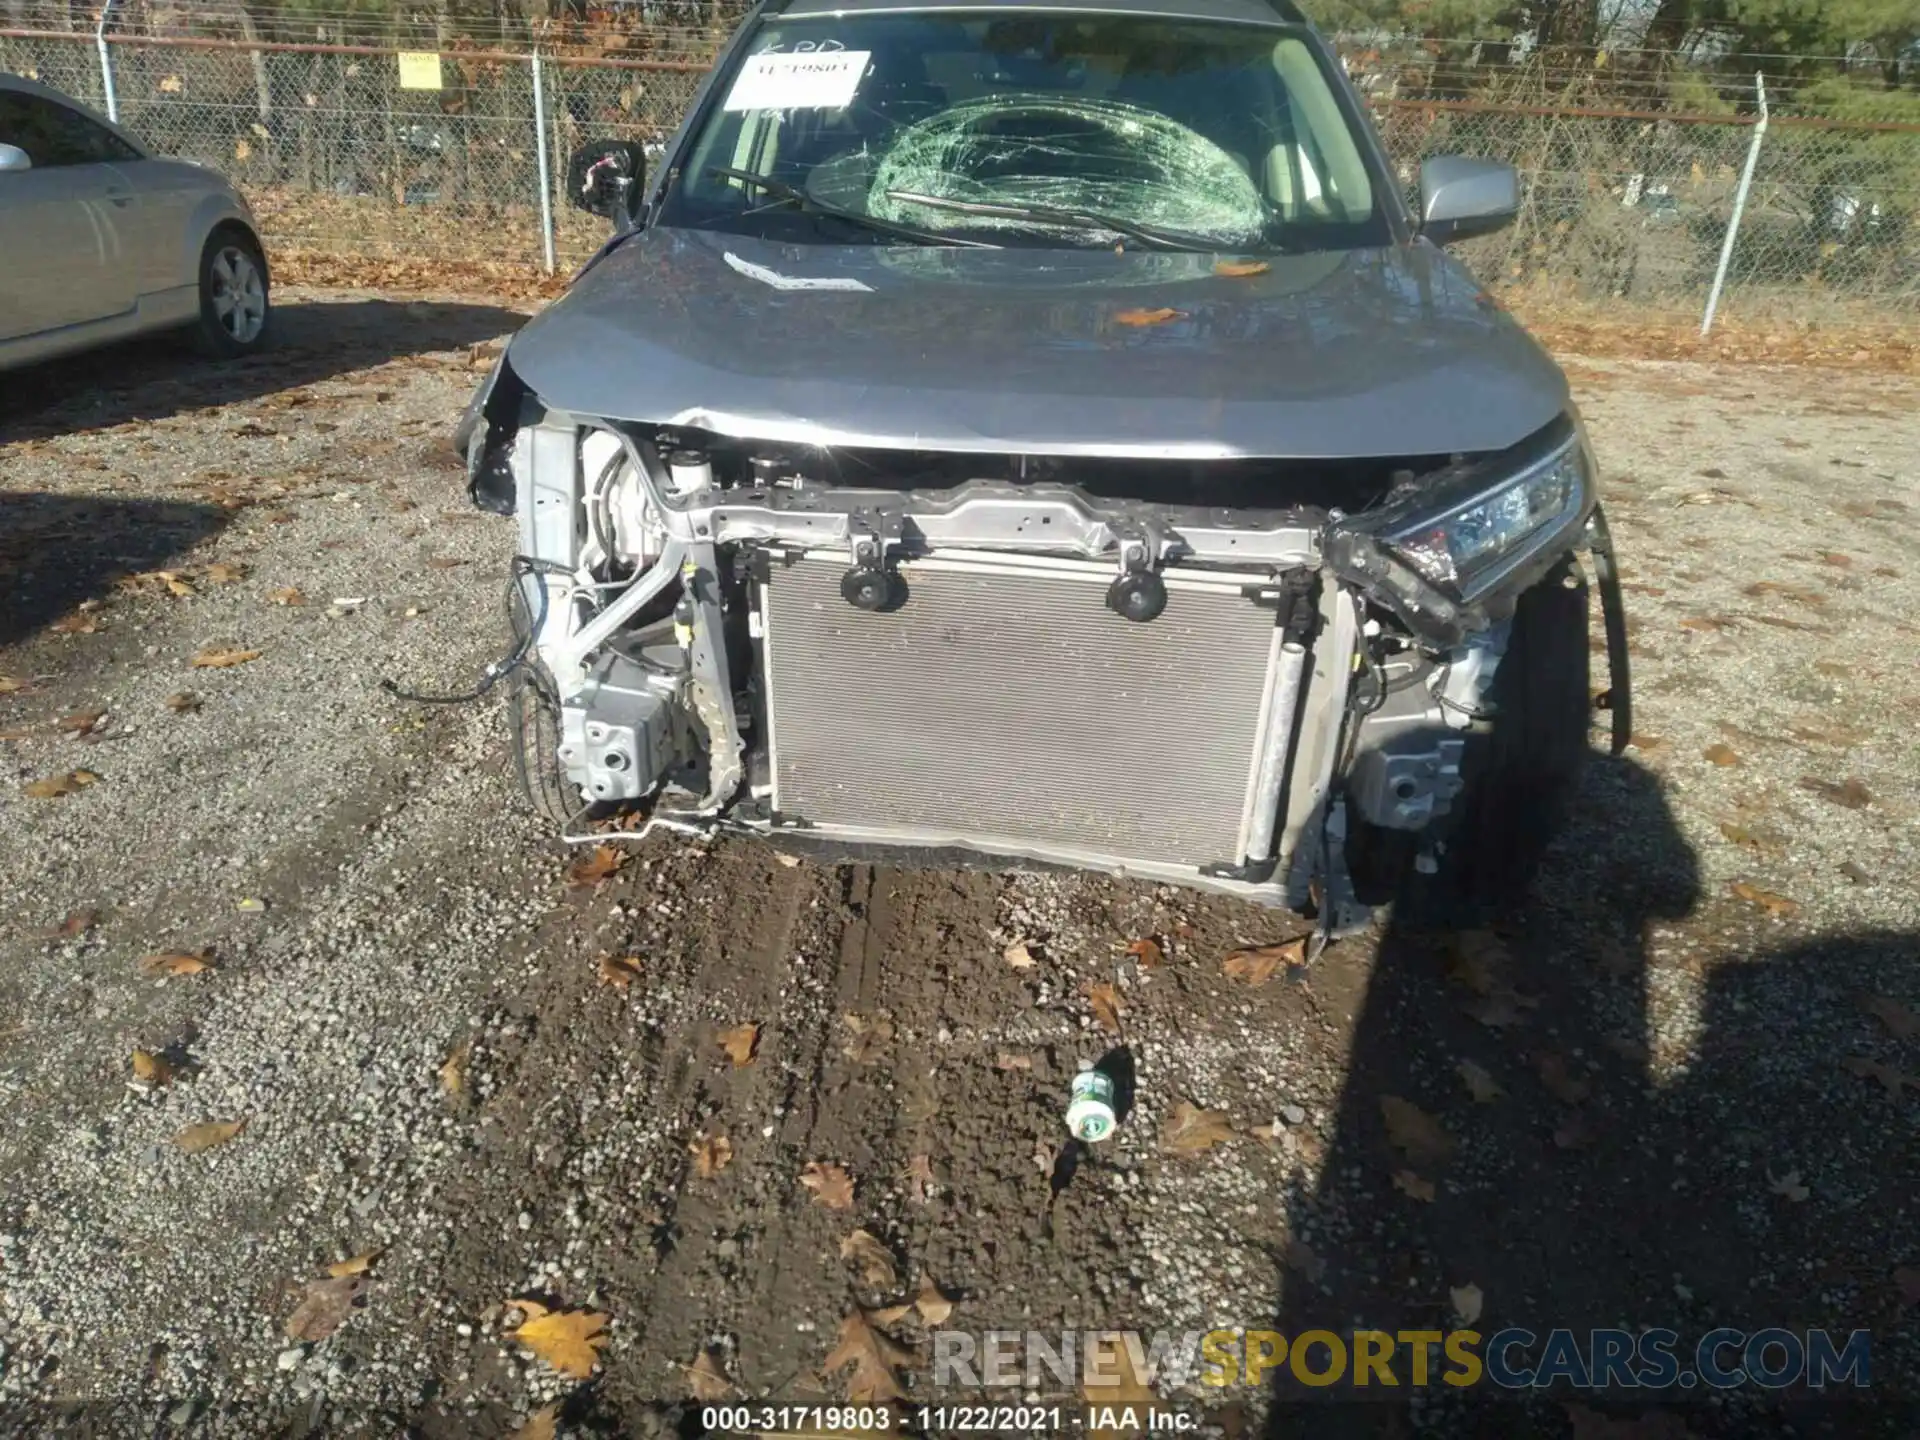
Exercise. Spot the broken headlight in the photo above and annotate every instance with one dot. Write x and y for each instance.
(1471, 546)
(1477, 542)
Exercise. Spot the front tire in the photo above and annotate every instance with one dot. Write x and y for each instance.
(236, 307)
(533, 725)
(1520, 777)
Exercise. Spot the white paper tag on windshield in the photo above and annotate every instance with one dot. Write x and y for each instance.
(819, 80)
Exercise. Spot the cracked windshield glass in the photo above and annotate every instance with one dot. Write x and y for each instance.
(1028, 129)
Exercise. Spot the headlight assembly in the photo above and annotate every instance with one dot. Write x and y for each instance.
(1444, 552)
(1471, 546)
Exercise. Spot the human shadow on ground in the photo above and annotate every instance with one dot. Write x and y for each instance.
(1673, 1145)
(160, 376)
(58, 551)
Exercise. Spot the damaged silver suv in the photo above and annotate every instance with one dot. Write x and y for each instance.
(1046, 432)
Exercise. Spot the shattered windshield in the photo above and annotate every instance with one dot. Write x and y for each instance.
(1031, 128)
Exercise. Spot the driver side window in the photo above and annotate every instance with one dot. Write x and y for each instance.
(54, 135)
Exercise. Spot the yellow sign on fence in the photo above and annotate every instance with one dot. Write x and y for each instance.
(419, 70)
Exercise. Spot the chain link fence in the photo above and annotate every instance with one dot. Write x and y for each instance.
(378, 151)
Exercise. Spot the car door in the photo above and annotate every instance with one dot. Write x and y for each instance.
(68, 223)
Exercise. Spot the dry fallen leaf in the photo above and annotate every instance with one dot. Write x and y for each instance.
(175, 963)
(1408, 1183)
(1561, 1082)
(1475, 959)
(568, 1340)
(1906, 1281)
(932, 1303)
(81, 624)
(619, 971)
(1109, 1378)
(831, 1185)
(1146, 317)
(919, 1178)
(288, 596)
(595, 866)
(1573, 1132)
(1480, 1084)
(1788, 1186)
(1720, 753)
(740, 1043)
(1414, 1131)
(453, 1070)
(1758, 841)
(77, 923)
(711, 1154)
(222, 573)
(1496, 1012)
(1901, 1023)
(543, 1423)
(1775, 905)
(10, 685)
(874, 1358)
(171, 581)
(1192, 1131)
(81, 723)
(1147, 952)
(1300, 1256)
(1256, 965)
(871, 1258)
(222, 659)
(325, 1307)
(1007, 1061)
(1104, 1001)
(706, 1379)
(150, 1069)
(54, 786)
(1467, 1302)
(358, 1265)
(1894, 1081)
(208, 1134)
(182, 702)
(1239, 268)
(1851, 793)
(870, 1036)
(1019, 955)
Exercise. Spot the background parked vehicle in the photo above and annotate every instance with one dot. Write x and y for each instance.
(104, 240)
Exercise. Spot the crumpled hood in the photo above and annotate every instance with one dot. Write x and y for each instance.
(1359, 353)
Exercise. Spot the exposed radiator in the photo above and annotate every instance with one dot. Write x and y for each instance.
(1006, 708)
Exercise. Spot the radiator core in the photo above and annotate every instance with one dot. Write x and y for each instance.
(1004, 707)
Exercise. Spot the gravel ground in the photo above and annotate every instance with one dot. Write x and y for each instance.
(443, 1057)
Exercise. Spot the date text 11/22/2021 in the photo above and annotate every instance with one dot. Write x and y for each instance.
(942, 1419)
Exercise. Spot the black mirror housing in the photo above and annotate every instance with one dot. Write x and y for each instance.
(608, 178)
(1461, 197)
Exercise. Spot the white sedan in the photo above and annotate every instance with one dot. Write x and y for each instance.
(99, 240)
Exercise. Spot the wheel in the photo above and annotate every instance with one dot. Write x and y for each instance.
(1519, 777)
(533, 723)
(235, 307)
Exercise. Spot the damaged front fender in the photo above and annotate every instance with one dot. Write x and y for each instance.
(484, 437)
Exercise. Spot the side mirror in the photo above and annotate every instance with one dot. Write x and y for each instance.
(608, 178)
(1461, 197)
(12, 157)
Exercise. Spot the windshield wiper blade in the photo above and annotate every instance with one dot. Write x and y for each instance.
(1048, 215)
(794, 195)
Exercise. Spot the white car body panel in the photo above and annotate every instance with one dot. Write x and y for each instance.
(96, 253)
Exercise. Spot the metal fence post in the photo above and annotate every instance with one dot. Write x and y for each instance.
(546, 183)
(106, 63)
(1739, 205)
